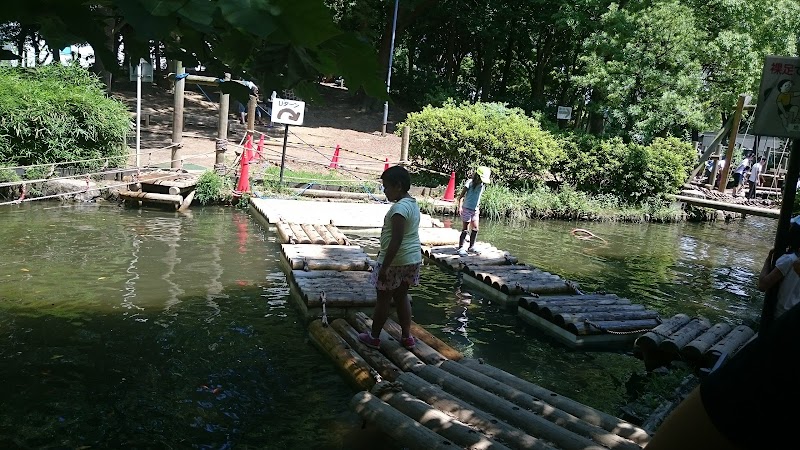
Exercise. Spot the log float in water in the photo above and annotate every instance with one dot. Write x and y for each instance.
(650, 341)
(694, 350)
(683, 336)
(357, 369)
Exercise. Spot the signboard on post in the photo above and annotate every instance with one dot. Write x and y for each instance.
(147, 72)
(778, 111)
(289, 112)
(564, 112)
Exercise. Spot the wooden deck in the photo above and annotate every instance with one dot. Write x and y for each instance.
(434, 398)
(548, 302)
(162, 187)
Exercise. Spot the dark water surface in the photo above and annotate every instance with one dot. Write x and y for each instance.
(149, 329)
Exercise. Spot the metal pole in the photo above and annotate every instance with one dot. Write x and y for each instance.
(787, 204)
(177, 117)
(389, 74)
(283, 154)
(138, 113)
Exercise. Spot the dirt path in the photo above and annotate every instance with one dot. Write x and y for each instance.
(310, 147)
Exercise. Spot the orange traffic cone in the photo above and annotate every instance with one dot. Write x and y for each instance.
(335, 160)
(260, 148)
(248, 148)
(450, 192)
(243, 185)
(386, 165)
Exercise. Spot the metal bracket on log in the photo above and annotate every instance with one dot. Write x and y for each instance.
(323, 300)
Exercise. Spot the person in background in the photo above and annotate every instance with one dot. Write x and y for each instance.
(399, 258)
(755, 176)
(785, 273)
(242, 108)
(468, 204)
(738, 174)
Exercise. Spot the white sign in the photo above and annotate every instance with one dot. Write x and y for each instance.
(564, 112)
(289, 112)
(778, 111)
(147, 72)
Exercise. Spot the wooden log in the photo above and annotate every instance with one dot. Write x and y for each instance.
(527, 421)
(336, 274)
(176, 200)
(406, 360)
(424, 351)
(340, 237)
(322, 193)
(187, 202)
(733, 207)
(300, 236)
(468, 414)
(729, 344)
(436, 343)
(312, 298)
(535, 304)
(357, 370)
(537, 406)
(284, 233)
(650, 341)
(548, 312)
(327, 251)
(561, 319)
(325, 234)
(598, 327)
(381, 364)
(694, 350)
(312, 234)
(683, 336)
(586, 413)
(435, 420)
(357, 265)
(397, 425)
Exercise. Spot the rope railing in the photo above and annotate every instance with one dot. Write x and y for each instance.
(79, 161)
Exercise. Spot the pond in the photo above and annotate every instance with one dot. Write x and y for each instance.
(142, 328)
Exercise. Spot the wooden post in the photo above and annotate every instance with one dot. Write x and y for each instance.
(252, 104)
(737, 118)
(404, 145)
(714, 169)
(177, 118)
(222, 129)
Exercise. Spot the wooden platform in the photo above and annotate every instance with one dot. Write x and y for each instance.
(294, 233)
(341, 214)
(434, 398)
(162, 187)
(692, 340)
(588, 321)
(447, 255)
(328, 280)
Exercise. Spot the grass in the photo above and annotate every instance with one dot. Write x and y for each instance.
(500, 202)
(271, 181)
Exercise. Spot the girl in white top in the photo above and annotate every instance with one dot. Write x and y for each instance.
(399, 258)
(785, 272)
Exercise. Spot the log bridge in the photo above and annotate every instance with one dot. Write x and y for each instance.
(692, 340)
(548, 302)
(161, 188)
(432, 397)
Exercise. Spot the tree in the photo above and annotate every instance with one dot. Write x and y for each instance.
(300, 37)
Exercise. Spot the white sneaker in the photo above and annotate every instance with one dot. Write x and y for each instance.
(472, 250)
(462, 252)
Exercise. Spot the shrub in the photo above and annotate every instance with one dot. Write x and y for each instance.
(457, 137)
(56, 114)
(631, 172)
(210, 188)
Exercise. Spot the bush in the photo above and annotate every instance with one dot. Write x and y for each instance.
(458, 137)
(56, 114)
(210, 188)
(631, 172)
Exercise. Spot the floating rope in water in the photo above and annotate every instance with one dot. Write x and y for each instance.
(586, 235)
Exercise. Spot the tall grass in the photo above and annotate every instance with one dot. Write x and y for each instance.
(500, 202)
(313, 180)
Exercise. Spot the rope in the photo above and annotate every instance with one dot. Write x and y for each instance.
(586, 235)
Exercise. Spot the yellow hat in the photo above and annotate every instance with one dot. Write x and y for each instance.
(484, 172)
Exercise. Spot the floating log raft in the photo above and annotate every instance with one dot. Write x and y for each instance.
(326, 257)
(292, 233)
(424, 400)
(591, 320)
(692, 340)
(340, 214)
(447, 256)
(151, 197)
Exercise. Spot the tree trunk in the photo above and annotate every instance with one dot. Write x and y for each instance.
(502, 87)
(596, 118)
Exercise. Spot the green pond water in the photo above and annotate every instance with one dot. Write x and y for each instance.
(149, 329)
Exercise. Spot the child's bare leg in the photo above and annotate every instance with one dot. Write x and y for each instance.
(403, 306)
(381, 312)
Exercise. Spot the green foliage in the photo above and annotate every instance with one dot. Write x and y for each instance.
(8, 175)
(211, 188)
(458, 137)
(501, 202)
(632, 172)
(56, 114)
(280, 43)
(313, 180)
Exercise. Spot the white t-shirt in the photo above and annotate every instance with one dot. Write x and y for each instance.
(789, 291)
(742, 166)
(755, 171)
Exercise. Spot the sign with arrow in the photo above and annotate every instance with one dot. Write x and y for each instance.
(289, 112)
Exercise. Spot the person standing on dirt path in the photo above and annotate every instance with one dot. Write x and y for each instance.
(468, 204)
(243, 108)
(755, 176)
